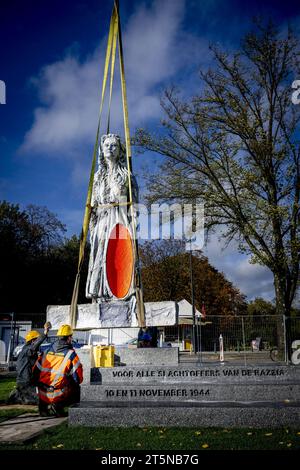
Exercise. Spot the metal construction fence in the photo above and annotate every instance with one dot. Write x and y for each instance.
(258, 338)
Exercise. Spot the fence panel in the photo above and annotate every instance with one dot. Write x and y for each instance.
(294, 328)
(245, 338)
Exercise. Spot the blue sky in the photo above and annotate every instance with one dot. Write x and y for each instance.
(51, 59)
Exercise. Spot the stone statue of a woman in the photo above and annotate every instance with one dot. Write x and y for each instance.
(109, 208)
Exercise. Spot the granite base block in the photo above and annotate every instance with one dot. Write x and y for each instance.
(271, 415)
(85, 357)
(147, 356)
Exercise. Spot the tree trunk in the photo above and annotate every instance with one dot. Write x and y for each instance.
(283, 310)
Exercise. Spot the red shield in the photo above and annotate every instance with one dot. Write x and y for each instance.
(119, 261)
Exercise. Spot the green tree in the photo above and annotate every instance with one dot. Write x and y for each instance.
(236, 147)
(260, 306)
(62, 263)
(28, 239)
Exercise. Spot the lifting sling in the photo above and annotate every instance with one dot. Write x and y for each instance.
(114, 36)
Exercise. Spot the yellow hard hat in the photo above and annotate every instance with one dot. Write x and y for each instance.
(65, 330)
(31, 335)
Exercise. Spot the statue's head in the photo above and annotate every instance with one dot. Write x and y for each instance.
(111, 150)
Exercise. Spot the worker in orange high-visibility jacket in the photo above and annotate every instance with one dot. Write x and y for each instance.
(58, 375)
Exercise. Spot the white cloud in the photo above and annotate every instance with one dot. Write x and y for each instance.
(252, 279)
(68, 91)
(155, 49)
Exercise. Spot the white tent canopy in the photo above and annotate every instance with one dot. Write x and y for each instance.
(185, 309)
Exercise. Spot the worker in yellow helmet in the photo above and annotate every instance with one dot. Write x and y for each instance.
(59, 375)
(25, 391)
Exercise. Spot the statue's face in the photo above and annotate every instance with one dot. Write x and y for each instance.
(111, 148)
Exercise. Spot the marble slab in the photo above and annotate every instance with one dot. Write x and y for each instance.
(94, 315)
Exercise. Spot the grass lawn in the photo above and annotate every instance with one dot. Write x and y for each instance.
(15, 411)
(7, 383)
(83, 438)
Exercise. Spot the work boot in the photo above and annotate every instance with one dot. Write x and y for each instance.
(43, 409)
(57, 411)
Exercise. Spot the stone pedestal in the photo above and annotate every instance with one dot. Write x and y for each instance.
(190, 396)
(146, 356)
(85, 357)
(126, 357)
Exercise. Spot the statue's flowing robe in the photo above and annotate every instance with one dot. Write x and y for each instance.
(109, 190)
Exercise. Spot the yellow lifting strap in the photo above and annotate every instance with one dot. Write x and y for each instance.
(139, 292)
(114, 34)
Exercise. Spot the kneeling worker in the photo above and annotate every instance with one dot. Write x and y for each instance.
(25, 391)
(59, 375)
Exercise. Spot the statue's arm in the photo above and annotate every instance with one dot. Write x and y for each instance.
(94, 197)
(94, 204)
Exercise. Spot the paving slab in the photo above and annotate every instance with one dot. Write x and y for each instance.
(26, 426)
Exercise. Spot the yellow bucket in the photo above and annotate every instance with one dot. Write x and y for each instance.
(104, 356)
(187, 344)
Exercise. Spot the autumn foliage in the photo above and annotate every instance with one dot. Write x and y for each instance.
(166, 276)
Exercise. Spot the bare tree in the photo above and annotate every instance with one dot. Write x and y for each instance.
(46, 230)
